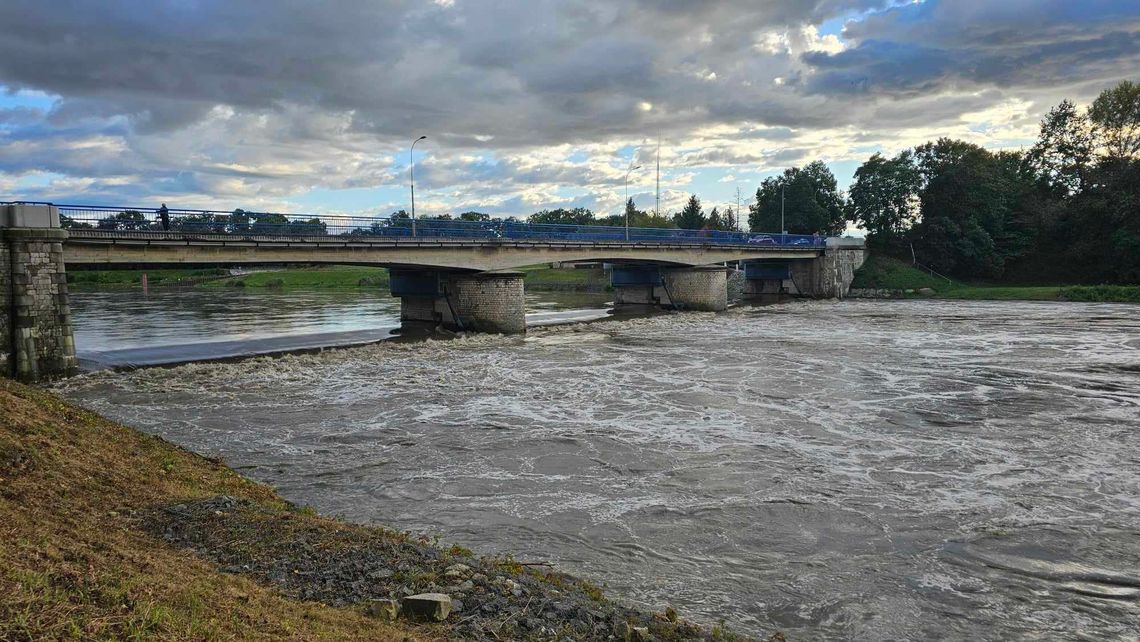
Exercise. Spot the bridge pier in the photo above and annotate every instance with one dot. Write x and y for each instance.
(36, 337)
(481, 302)
(703, 288)
(828, 276)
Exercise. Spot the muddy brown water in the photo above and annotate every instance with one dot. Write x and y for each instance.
(878, 470)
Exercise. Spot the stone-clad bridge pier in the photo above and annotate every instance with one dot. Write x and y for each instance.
(455, 273)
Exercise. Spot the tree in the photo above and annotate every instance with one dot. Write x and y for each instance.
(1064, 150)
(474, 216)
(125, 220)
(724, 221)
(731, 220)
(966, 199)
(692, 216)
(631, 213)
(638, 218)
(1115, 116)
(562, 216)
(812, 202)
(68, 223)
(884, 198)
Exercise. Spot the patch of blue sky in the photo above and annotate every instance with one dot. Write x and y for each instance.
(351, 200)
(37, 180)
(12, 98)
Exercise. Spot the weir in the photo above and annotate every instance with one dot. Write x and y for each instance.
(455, 274)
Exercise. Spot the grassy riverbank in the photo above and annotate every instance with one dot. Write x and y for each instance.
(90, 279)
(892, 274)
(333, 277)
(107, 533)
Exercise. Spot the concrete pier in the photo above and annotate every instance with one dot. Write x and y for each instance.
(825, 277)
(36, 337)
(474, 302)
(703, 288)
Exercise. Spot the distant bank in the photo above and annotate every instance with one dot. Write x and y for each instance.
(884, 277)
(334, 277)
(880, 277)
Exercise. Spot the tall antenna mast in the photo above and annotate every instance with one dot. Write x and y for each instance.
(739, 225)
(657, 207)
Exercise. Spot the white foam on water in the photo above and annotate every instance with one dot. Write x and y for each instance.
(810, 460)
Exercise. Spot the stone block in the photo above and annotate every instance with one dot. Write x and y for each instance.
(427, 607)
(34, 216)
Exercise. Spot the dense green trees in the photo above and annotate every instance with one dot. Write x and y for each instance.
(811, 202)
(1066, 210)
(692, 216)
(884, 201)
(563, 216)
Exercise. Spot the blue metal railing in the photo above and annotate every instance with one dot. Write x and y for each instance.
(242, 223)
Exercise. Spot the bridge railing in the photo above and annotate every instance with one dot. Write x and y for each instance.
(246, 223)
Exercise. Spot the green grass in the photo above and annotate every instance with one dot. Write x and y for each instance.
(1102, 293)
(1002, 293)
(881, 272)
(543, 277)
(337, 277)
(124, 278)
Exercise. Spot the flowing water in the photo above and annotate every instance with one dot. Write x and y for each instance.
(881, 470)
(125, 328)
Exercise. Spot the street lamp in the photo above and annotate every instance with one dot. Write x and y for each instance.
(412, 179)
(626, 203)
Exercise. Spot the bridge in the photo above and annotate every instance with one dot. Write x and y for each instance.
(454, 273)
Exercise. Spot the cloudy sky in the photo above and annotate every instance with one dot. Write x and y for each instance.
(294, 105)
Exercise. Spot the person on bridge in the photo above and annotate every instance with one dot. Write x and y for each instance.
(164, 217)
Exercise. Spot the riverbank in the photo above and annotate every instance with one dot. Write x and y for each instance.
(885, 277)
(108, 533)
(112, 279)
(541, 278)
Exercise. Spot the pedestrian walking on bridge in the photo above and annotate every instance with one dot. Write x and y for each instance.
(164, 217)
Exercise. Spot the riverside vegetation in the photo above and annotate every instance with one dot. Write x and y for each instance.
(334, 277)
(879, 272)
(108, 533)
(902, 279)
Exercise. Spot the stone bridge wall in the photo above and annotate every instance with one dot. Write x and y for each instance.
(37, 315)
(7, 355)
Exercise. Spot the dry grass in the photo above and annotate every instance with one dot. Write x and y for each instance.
(75, 565)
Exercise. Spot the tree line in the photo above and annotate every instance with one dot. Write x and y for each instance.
(1067, 209)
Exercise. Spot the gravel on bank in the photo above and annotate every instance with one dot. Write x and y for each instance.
(343, 564)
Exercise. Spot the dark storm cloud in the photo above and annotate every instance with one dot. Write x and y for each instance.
(925, 48)
(239, 94)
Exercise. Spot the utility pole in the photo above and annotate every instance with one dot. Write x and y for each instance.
(739, 221)
(625, 205)
(412, 179)
(783, 228)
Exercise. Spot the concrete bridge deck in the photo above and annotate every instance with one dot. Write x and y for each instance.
(451, 273)
(97, 248)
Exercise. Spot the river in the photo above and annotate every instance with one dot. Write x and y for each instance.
(871, 470)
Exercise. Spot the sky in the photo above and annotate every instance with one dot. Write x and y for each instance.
(310, 107)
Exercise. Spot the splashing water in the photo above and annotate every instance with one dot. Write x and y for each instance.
(865, 470)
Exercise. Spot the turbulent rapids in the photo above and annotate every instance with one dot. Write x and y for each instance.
(866, 470)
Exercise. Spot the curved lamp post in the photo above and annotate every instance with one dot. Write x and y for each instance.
(625, 205)
(412, 179)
